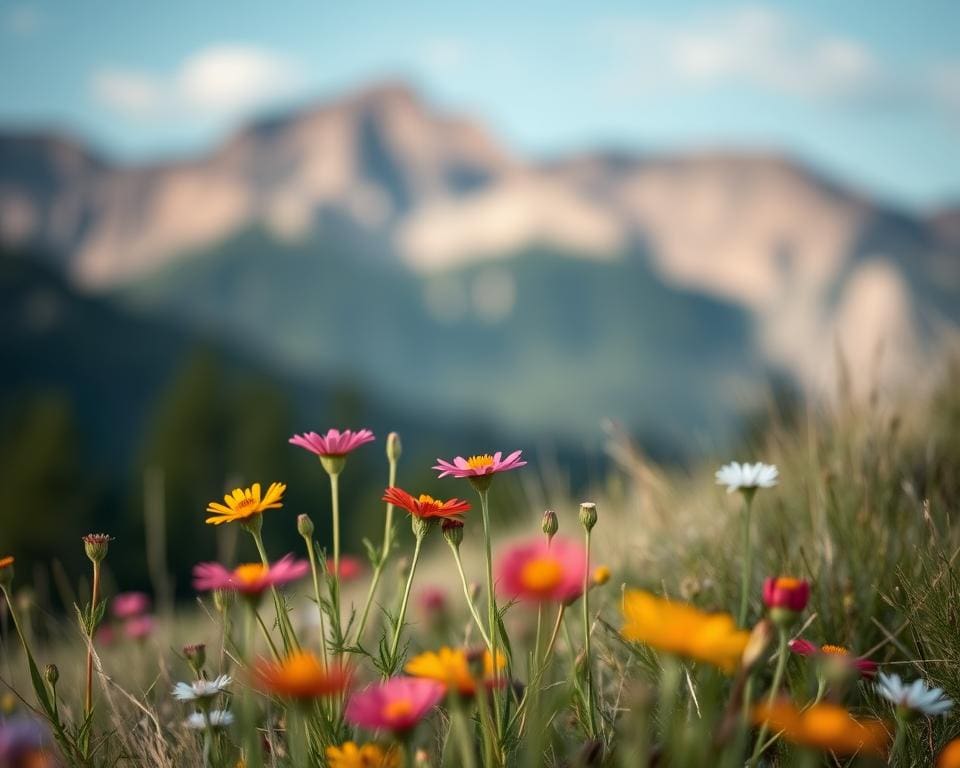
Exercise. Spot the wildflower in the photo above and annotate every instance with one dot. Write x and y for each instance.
(786, 598)
(480, 465)
(824, 726)
(683, 630)
(538, 571)
(432, 602)
(452, 531)
(245, 503)
(300, 676)
(747, 477)
(250, 578)
(397, 704)
(139, 627)
(349, 755)
(588, 515)
(201, 689)
(126, 605)
(452, 668)
(350, 567)
(96, 546)
(834, 655)
(916, 697)
(334, 442)
(6, 571)
(549, 524)
(601, 575)
(950, 755)
(425, 507)
(304, 526)
(219, 718)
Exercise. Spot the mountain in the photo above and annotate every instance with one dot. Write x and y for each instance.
(379, 200)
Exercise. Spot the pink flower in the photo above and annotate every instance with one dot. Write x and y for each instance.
(397, 704)
(334, 443)
(834, 654)
(350, 567)
(105, 635)
(126, 605)
(249, 578)
(432, 602)
(534, 570)
(139, 627)
(476, 466)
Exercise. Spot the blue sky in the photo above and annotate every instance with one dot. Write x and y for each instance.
(867, 91)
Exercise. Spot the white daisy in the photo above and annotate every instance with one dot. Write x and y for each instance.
(201, 689)
(917, 696)
(747, 476)
(219, 718)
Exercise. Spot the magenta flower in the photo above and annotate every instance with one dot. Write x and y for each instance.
(477, 466)
(350, 567)
(334, 443)
(432, 601)
(139, 627)
(126, 605)
(249, 578)
(834, 654)
(397, 704)
(538, 571)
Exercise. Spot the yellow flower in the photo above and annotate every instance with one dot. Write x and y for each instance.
(601, 575)
(349, 755)
(244, 503)
(824, 726)
(452, 668)
(683, 630)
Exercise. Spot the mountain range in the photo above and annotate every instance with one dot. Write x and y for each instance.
(377, 238)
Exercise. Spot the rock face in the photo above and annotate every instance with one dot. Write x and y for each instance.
(816, 265)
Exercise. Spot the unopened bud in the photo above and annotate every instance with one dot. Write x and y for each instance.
(474, 590)
(394, 448)
(196, 656)
(420, 525)
(601, 575)
(549, 524)
(51, 674)
(453, 531)
(304, 526)
(588, 515)
(756, 648)
(96, 546)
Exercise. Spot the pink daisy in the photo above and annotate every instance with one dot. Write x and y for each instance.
(834, 653)
(477, 466)
(334, 443)
(397, 704)
(249, 578)
(126, 605)
(139, 627)
(534, 570)
(350, 567)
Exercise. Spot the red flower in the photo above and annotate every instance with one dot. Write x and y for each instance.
(835, 654)
(786, 592)
(425, 507)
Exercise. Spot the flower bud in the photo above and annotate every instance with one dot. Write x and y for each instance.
(549, 524)
(453, 531)
(420, 525)
(51, 674)
(96, 546)
(756, 648)
(786, 598)
(304, 526)
(601, 575)
(474, 590)
(421, 759)
(196, 656)
(394, 448)
(6, 572)
(588, 515)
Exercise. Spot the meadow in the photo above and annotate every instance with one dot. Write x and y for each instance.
(797, 609)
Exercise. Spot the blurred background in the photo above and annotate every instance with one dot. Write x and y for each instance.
(487, 227)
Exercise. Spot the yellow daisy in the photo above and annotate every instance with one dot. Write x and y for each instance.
(244, 503)
(349, 755)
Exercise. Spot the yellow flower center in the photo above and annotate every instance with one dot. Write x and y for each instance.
(426, 500)
(245, 503)
(834, 650)
(397, 708)
(601, 575)
(301, 666)
(788, 582)
(249, 573)
(541, 574)
(479, 462)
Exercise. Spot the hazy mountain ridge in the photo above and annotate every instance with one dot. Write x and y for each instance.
(813, 263)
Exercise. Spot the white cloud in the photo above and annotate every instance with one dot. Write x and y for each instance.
(757, 46)
(219, 80)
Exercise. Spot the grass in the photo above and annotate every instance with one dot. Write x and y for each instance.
(865, 511)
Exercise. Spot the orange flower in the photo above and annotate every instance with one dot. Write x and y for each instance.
(452, 668)
(6, 562)
(244, 503)
(824, 726)
(349, 755)
(950, 756)
(425, 507)
(300, 676)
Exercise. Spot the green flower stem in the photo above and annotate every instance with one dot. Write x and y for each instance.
(466, 594)
(460, 724)
(747, 557)
(384, 556)
(266, 634)
(406, 598)
(585, 600)
(900, 738)
(248, 726)
(782, 653)
(541, 667)
(283, 620)
(88, 690)
(315, 573)
(492, 626)
(335, 580)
